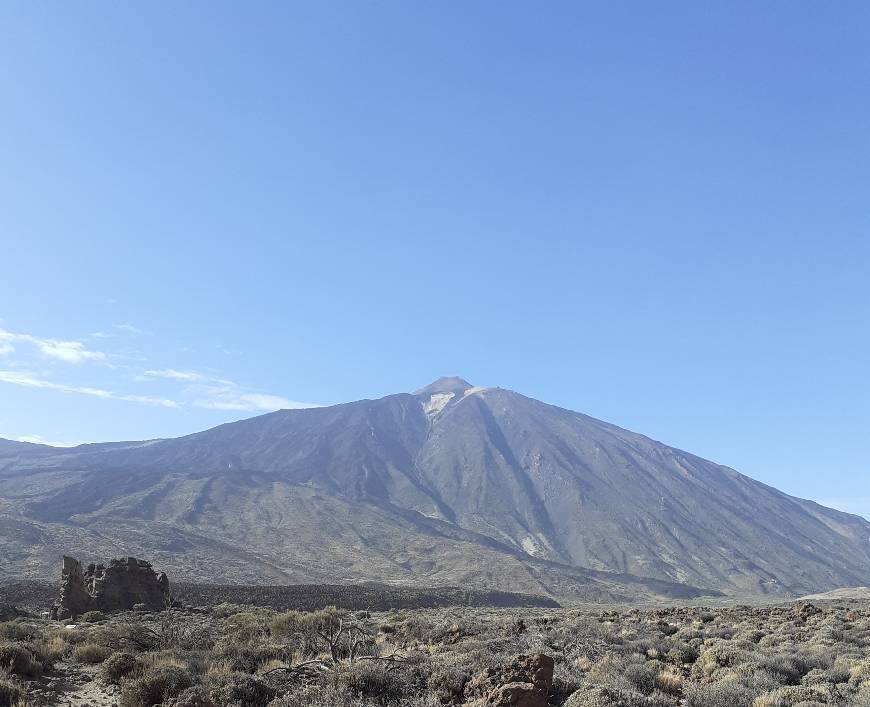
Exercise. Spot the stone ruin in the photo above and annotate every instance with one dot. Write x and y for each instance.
(125, 584)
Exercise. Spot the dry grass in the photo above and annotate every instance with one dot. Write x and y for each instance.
(218, 668)
(90, 653)
(670, 682)
(273, 664)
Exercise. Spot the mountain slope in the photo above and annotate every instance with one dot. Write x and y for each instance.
(451, 483)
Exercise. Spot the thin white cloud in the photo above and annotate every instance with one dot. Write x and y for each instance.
(28, 380)
(69, 351)
(198, 389)
(129, 328)
(249, 402)
(58, 349)
(213, 393)
(37, 439)
(172, 374)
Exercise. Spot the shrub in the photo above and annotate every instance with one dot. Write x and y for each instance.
(18, 631)
(319, 696)
(604, 696)
(242, 689)
(372, 680)
(90, 653)
(196, 696)
(683, 653)
(669, 682)
(18, 660)
(155, 686)
(248, 658)
(11, 693)
(118, 666)
(792, 695)
(725, 693)
(641, 676)
(55, 646)
(225, 609)
(92, 617)
(448, 683)
(40, 652)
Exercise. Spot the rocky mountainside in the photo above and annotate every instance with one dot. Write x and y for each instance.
(451, 484)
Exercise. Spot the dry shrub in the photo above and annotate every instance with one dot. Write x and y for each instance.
(271, 664)
(240, 689)
(162, 659)
(56, 646)
(155, 686)
(119, 666)
(16, 659)
(670, 682)
(90, 653)
(12, 693)
(792, 695)
(218, 668)
(18, 630)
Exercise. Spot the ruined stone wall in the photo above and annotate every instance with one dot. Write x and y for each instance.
(123, 585)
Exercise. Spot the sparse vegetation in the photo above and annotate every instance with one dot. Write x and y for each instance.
(247, 655)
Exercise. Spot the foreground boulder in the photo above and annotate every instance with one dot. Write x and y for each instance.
(524, 682)
(126, 583)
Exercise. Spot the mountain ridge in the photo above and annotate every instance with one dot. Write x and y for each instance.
(422, 485)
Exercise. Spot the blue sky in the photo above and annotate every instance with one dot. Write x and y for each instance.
(654, 213)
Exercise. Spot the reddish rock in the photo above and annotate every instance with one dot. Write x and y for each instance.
(524, 682)
(803, 610)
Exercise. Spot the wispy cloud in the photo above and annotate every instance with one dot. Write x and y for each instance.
(129, 328)
(172, 374)
(192, 388)
(212, 393)
(37, 439)
(29, 380)
(234, 399)
(58, 349)
(126, 328)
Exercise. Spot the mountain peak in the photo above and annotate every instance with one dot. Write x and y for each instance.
(445, 384)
